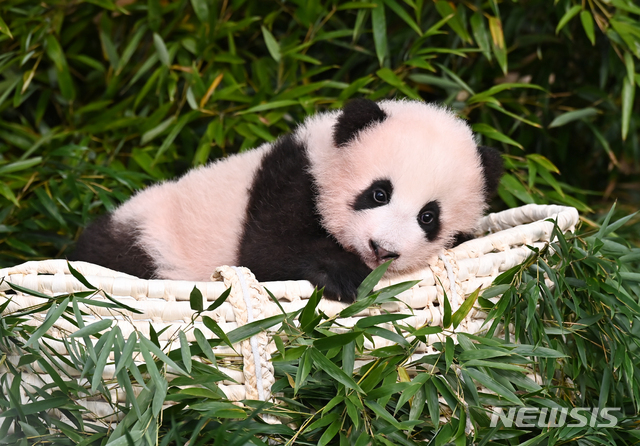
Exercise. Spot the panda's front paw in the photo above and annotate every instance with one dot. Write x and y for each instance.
(342, 284)
(343, 292)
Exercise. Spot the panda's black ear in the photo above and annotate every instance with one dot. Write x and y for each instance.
(492, 167)
(357, 114)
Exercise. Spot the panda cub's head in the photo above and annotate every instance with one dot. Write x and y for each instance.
(398, 179)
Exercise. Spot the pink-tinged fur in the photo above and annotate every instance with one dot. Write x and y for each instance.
(426, 152)
(193, 225)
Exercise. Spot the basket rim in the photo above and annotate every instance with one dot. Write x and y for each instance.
(507, 229)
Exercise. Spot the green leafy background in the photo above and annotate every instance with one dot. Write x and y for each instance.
(573, 342)
(100, 97)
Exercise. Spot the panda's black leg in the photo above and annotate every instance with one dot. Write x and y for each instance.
(329, 266)
(104, 243)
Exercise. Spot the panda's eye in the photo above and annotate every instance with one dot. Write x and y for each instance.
(427, 218)
(380, 196)
(377, 194)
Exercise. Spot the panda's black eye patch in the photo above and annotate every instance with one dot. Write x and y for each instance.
(377, 194)
(429, 219)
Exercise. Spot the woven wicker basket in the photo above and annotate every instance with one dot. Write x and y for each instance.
(504, 240)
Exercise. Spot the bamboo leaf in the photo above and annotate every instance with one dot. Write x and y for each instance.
(4, 29)
(516, 188)
(126, 358)
(457, 25)
(92, 329)
(51, 318)
(149, 135)
(543, 162)
(332, 370)
(216, 329)
(35, 408)
(371, 281)
(628, 33)
(161, 49)
(492, 133)
(196, 299)
(410, 389)
(349, 358)
(587, 24)
(431, 396)
(427, 331)
(272, 44)
(382, 413)
(571, 13)
(322, 422)
(56, 54)
(154, 14)
(17, 166)
(482, 96)
(308, 317)
(177, 128)
(628, 94)
(464, 309)
(371, 321)
(449, 351)
(103, 357)
(379, 27)
(574, 115)
(498, 44)
(304, 367)
(481, 34)
(388, 334)
(220, 300)
(330, 432)
(204, 345)
(615, 226)
(542, 352)
(492, 384)
(79, 277)
(153, 348)
(395, 7)
(269, 106)
(355, 5)
(185, 351)
(255, 327)
(201, 8)
(392, 79)
(7, 193)
(131, 47)
(446, 317)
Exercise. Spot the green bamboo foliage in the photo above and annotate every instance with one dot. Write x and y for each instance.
(572, 310)
(99, 98)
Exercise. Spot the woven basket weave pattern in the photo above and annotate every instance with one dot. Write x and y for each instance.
(504, 240)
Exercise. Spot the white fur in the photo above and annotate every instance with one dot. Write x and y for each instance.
(193, 225)
(426, 152)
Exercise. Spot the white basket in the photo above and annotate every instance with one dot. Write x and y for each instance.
(504, 240)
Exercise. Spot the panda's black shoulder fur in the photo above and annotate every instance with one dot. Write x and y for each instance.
(283, 238)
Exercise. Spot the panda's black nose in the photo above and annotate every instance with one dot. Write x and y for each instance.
(381, 253)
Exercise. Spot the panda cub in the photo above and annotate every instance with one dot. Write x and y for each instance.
(345, 192)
